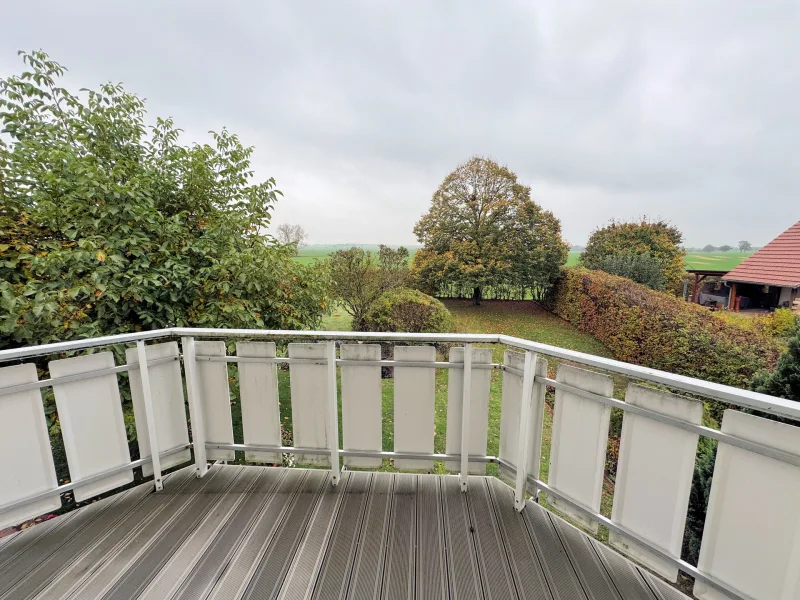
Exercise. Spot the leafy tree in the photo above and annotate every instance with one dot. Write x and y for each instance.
(638, 266)
(483, 231)
(725, 248)
(658, 239)
(358, 279)
(108, 226)
(291, 234)
(744, 246)
(709, 248)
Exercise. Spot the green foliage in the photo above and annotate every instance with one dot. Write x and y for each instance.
(658, 239)
(698, 499)
(108, 226)
(744, 246)
(781, 324)
(657, 330)
(483, 234)
(410, 311)
(358, 279)
(784, 381)
(638, 266)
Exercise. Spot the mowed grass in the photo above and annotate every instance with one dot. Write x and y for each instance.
(522, 319)
(713, 261)
(314, 252)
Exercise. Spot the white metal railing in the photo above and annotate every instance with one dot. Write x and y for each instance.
(658, 442)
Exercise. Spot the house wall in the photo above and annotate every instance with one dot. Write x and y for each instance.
(786, 296)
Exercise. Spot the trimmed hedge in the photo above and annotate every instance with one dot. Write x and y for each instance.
(408, 310)
(656, 330)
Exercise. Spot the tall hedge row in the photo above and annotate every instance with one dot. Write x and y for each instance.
(660, 331)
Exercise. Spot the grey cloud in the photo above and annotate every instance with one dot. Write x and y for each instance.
(683, 110)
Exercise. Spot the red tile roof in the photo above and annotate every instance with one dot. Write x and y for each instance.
(777, 263)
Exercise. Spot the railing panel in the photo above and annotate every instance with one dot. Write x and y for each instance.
(751, 539)
(26, 467)
(166, 390)
(580, 436)
(361, 403)
(92, 426)
(309, 402)
(479, 407)
(654, 476)
(414, 397)
(215, 398)
(258, 387)
(510, 414)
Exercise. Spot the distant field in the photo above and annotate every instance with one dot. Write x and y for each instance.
(718, 261)
(309, 254)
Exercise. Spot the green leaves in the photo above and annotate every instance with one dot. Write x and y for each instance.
(108, 226)
(484, 231)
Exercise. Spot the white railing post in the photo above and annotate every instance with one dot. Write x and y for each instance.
(149, 415)
(465, 414)
(523, 440)
(333, 412)
(195, 410)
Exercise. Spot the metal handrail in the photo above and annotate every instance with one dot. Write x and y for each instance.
(716, 391)
(727, 394)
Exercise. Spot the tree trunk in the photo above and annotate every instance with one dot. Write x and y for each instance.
(476, 296)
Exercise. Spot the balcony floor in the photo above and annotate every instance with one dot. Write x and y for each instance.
(258, 532)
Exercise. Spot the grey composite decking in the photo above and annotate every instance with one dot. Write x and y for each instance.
(259, 532)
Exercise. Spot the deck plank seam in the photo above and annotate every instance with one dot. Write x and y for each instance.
(360, 533)
(127, 571)
(264, 547)
(201, 552)
(387, 532)
(574, 559)
(504, 542)
(328, 545)
(46, 581)
(465, 497)
(312, 583)
(530, 526)
(571, 559)
(241, 539)
(262, 562)
(42, 557)
(525, 533)
(637, 575)
(443, 533)
(302, 535)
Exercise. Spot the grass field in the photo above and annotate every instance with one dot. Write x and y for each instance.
(718, 261)
(521, 319)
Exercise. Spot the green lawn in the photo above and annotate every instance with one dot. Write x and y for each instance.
(718, 261)
(522, 319)
(715, 261)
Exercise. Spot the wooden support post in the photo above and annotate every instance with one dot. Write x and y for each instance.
(694, 289)
(732, 300)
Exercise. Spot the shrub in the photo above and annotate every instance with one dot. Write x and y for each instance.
(783, 323)
(784, 382)
(660, 331)
(638, 266)
(658, 239)
(408, 310)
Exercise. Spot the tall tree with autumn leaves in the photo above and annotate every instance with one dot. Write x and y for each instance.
(483, 233)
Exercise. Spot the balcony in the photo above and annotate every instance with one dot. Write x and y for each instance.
(189, 519)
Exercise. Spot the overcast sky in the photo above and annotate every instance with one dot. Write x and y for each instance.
(679, 109)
